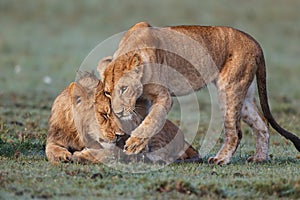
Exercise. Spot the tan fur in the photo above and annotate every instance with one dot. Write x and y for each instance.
(170, 136)
(168, 144)
(62, 134)
(83, 129)
(237, 58)
(74, 124)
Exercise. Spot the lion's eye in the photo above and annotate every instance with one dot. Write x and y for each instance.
(123, 89)
(107, 94)
(105, 115)
(78, 99)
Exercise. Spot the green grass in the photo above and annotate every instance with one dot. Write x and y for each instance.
(52, 38)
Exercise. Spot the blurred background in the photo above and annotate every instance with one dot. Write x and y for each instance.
(43, 43)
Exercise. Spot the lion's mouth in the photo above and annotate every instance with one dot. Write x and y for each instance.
(120, 133)
(108, 145)
(126, 118)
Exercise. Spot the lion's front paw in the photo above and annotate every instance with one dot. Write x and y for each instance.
(60, 156)
(218, 160)
(79, 157)
(91, 155)
(135, 145)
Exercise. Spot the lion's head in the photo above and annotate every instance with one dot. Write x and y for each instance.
(91, 111)
(108, 122)
(122, 79)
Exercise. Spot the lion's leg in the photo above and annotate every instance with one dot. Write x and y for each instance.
(232, 84)
(232, 129)
(251, 115)
(56, 153)
(92, 155)
(153, 123)
(59, 143)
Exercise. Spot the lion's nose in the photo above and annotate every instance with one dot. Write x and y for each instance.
(120, 114)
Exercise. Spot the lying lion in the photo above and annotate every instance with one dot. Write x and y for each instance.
(83, 129)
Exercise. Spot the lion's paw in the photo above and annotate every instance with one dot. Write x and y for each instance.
(63, 156)
(257, 159)
(78, 157)
(218, 160)
(135, 145)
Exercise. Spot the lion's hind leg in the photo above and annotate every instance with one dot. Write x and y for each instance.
(92, 155)
(251, 115)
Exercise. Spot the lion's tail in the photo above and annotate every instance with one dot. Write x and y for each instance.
(263, 97)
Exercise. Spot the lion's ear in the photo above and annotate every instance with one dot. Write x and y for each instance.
(76, 93)
(139, 71)
(102, 64)
(99, 90)
(134, 61)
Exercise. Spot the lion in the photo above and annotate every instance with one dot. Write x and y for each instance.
(163, 138)
(83, 129)
(167, 146)
(157, 63)
(74, 129)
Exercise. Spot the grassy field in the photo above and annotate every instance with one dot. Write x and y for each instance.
(48, 40)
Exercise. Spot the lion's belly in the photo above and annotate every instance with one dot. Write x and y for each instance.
(181, 79)
(184, 83)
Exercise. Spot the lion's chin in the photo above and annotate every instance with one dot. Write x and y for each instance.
(120, 133)
(126, 118)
